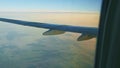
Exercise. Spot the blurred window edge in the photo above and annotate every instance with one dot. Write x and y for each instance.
(108, 41)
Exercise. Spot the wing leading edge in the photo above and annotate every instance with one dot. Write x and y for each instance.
(54, 29)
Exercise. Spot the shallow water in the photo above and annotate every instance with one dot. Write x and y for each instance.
(26, 47)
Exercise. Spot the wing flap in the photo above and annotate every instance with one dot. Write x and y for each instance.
(53, 32)
(85, 37)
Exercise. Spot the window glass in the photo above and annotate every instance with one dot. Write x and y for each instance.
(27, 47)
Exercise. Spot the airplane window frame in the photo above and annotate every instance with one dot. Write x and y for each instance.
(107, 49)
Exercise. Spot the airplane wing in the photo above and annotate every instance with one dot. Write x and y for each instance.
(54, 29)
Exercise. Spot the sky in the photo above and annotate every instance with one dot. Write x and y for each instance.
(51, 5)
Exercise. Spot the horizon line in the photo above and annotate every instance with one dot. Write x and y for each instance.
(55, 11)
